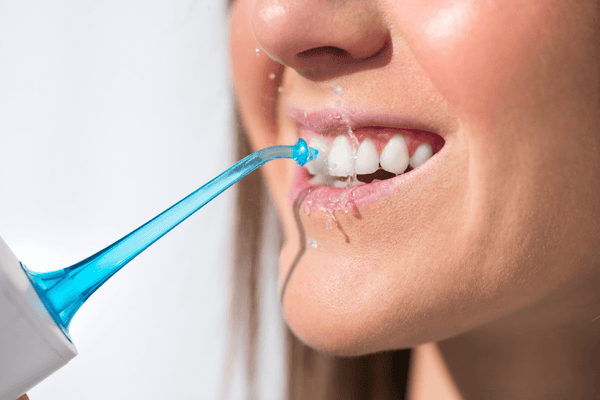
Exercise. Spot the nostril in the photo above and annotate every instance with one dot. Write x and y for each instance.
(321, 39)
(324, 51)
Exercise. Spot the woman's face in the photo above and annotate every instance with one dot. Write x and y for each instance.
(505, 212)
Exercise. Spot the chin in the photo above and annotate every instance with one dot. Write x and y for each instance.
(380, 272)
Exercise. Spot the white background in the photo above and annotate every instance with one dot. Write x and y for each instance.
(111, 111)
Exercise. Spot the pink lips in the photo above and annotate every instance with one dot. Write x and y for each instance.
(329, 123)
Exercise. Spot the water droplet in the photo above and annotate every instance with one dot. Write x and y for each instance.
(271, 76)
(313, 244)
(353, 140)
(280, 89)
(338, 103)
(337, 90)
(257, 51)
(305, 114)
(306, 209)
(344, 197)
(330, 218)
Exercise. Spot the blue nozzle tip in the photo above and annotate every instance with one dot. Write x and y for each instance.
(302, 154)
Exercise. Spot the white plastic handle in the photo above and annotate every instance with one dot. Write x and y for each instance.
(32, 346)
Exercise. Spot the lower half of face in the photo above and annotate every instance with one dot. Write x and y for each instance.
(458, 178)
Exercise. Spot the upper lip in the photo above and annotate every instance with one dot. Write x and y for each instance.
(337, 121)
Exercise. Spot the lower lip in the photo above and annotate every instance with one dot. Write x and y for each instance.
(314, 197)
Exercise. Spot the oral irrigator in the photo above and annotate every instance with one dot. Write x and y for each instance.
(37, 308)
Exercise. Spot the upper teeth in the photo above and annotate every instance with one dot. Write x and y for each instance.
(319, 166)
(341, 157)
(394, 157)
(343, 160)
(367, 158)
(422, 154)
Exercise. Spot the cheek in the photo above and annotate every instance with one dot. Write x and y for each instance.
(481, 53)
(523, 78)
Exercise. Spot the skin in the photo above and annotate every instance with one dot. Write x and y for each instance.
(494, 260)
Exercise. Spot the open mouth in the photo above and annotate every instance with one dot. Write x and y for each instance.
(368, 154)
(364, 156)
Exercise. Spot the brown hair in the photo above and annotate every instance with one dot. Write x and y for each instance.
(310, 375)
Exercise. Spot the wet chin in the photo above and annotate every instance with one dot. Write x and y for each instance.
(362, 287)
(329, 313)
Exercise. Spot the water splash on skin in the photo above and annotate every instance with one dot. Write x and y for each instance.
(329, 223)
(333, 219)
(257, 52)
(337, 90)
(280, 89)
(344, 197)
(306, 209)
(271, 76)
(313, 244)
(347, 202)
(347, 198)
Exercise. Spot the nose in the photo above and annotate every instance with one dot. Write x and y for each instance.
(322, 38)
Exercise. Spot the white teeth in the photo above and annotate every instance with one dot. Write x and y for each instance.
(341, 157)
(394, 157)
(318, 166)
(367, 158)
(422, 154)
(342, 160)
